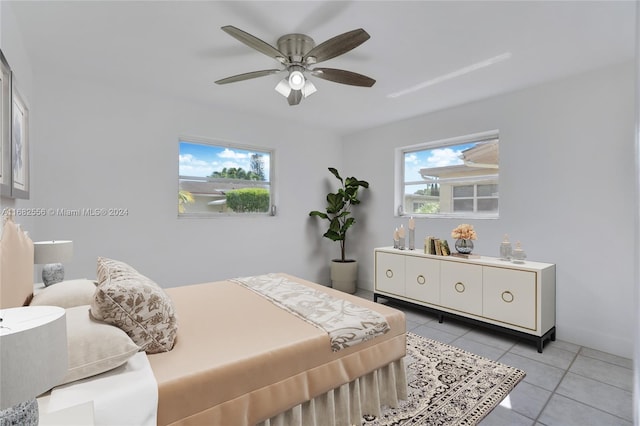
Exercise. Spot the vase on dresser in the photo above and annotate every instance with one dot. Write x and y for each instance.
(464, 246)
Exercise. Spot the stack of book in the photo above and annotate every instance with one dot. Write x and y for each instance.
(433, 245)
(438, 247)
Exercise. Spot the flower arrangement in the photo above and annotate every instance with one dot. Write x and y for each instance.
(465, 232)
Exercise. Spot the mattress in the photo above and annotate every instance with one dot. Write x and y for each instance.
(239, 359)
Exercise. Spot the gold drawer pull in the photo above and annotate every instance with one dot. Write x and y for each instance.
(459, 287)
(389, 273)
(421, 279)
(507, 296)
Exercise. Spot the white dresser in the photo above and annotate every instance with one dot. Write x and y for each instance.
(519, 299)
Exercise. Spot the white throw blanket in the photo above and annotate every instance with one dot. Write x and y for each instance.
(346, 323)
(125, 396)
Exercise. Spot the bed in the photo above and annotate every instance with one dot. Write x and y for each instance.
(241, 358)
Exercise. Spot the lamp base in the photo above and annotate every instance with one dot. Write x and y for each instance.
(52, 273)
(23, 414)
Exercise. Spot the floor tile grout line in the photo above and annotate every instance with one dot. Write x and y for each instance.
(601, 382)
(554, 392)
(591, 406)
(608, 362)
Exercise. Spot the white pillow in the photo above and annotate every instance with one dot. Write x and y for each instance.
(94, 347)
(66, 294)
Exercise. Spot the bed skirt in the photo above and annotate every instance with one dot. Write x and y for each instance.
(347, 404)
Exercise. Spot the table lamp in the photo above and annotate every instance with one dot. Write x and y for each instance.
(33, 359)
(51, 254)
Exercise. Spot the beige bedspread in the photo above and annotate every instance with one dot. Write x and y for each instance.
(239, 359)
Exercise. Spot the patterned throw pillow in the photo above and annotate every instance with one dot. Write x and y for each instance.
(137, 305)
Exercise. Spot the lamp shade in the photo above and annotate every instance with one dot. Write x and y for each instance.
(52, 251)
(33, 352)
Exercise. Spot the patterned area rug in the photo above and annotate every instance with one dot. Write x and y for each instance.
(448, 386)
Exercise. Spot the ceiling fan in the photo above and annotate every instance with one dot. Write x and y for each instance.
(297, 53)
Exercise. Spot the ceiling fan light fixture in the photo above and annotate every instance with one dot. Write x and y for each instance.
(296, 80)
(308, 89)
(283, 87)
(296, 52)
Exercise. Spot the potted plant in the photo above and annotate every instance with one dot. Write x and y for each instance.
(338, 212)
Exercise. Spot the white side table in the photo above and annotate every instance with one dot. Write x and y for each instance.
(33, 358)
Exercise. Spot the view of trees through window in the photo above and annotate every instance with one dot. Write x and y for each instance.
(456, 177)
(215, 179)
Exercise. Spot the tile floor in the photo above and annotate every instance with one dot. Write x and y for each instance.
(566, 385)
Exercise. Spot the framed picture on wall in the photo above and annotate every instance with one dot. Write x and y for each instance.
(5, 127)
(19, 146)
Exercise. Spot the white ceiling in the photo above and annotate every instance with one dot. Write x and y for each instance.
(177, 48)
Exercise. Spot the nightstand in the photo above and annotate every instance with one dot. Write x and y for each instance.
(33, 358)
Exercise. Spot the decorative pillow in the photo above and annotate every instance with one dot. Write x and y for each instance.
(137, 305)
(66, 294)
(94, 347)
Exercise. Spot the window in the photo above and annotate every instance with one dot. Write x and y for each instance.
(453, 178)
(216, 179)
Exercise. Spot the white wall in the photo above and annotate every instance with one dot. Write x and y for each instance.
(567, 177)
(103, 147)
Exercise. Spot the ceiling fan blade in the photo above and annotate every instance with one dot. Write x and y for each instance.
(247, 76)
(344, 77)
(337, 45)
(254, 42)
(294, 97)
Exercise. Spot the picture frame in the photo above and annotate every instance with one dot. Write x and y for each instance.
(6, 87)
(19, 145)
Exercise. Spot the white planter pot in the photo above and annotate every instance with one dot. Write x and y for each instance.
(344, 275)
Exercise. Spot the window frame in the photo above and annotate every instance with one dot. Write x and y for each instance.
(474, 197)
(400, 184)
(218, 143)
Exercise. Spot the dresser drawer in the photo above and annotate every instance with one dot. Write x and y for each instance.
(390, 273)
(509, 296)
(422, 279)
(461, 287)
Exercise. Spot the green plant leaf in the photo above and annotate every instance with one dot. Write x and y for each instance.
(335, 173)
(319, 214)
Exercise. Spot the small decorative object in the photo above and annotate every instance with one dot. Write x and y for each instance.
(505, 248)
(396, 239)
(401, 237)
(464, 234)
(412, 233)
(518, 255)
(464, 246)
